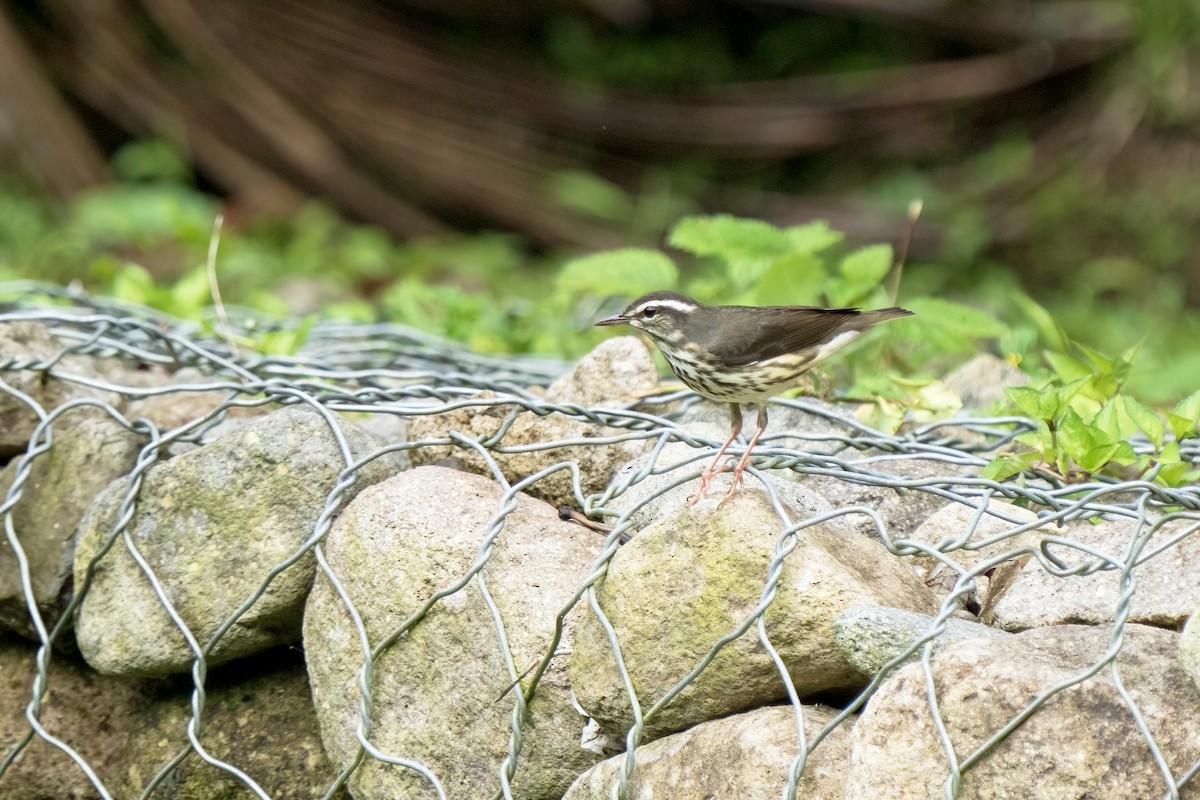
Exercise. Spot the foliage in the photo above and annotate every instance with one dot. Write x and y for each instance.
(750, 262)
(1086, 425)
(146, 243)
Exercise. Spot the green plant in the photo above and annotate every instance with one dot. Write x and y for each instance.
(750, 262)
(1086, 425)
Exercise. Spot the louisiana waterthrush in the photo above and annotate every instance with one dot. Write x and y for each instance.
(743, 354)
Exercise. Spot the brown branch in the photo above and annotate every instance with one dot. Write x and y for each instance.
(58, 152)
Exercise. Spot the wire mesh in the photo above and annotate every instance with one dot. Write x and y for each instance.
(389, 369)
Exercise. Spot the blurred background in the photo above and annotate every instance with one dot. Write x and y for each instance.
(437, 162)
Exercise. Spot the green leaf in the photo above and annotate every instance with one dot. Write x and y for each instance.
(1076, 437)
(1027, 401)
(1055, 401)
(1102, 363)
(1066, 367)
(1169, 454)
(1096, 457)
(1108, 419)
(730, 238)
(1050, 331)
(794, 279)
(867, 266)
(812, 237)
(1184, 417)
(630, 272)
(591, 195)
(956, 317)
(1146, 419)
(1124, 454)
(134, 284)
(1174, 475)
(1005, 467)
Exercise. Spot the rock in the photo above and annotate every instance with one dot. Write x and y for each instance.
(1189, 646)
(744, 756)
(902, 511)
(1083, 742)
(616, 372)
(955, 531)
(212, 524)
(981, 382)
(871, 636)
(260, 721)
(93, 714)
(174, 405)
(650, 498)
(693, 577)
(811, 425)
(23, 343)
(1166, 590)
(89, 449)
(439, 692)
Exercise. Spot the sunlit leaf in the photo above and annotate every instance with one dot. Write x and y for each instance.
(1005, 467)
(729, 237)
(1048, 328)
(812, 237)
(1067, 368)
(1146, 419)
(629, 273)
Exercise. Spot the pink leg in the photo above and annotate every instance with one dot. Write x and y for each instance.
(739, 471)
(716, 468)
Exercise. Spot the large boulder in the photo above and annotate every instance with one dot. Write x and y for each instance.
(93, 714)
(442, 694)
(616, 373)
(258, 720)
(212, 525)
(1084, 741)
(26, 348)
(696, 575)
(1166, 589)
(744, 756)
(89, 449)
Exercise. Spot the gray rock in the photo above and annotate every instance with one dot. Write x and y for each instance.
(812, 426)
(263, 723)
(744, 756)
(871, 636)
(175, 406)
(439, 693)
(1165, 593)
(1189, 646)
(1083, 742)
(93, 714)
(612, 375)
(973, 544)
(981, 382)
(692, 577)
(902, 511)
(650, 498)
(212, 524)
(23, 343)
(89, 449)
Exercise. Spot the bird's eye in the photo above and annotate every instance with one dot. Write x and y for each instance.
(649, 312)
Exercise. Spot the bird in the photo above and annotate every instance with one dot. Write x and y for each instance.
(743, 354)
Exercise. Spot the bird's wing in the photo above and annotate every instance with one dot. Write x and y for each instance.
(764, 333)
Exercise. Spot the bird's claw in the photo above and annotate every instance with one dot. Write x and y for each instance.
(739, 473)
(712, 471)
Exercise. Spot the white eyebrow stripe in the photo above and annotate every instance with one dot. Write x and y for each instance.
(672, 304)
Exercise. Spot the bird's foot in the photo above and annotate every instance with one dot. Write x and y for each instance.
(739, 473)
(713, 470)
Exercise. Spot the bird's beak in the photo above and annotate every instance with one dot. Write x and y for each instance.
(616, 319)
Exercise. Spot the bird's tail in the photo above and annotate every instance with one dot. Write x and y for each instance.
(868, 318)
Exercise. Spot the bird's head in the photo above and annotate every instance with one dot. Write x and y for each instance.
(663, 316)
